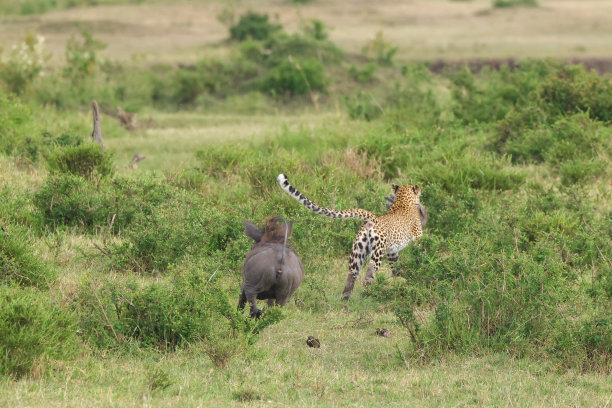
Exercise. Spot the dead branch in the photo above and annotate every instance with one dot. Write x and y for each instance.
(96, 134)
(105, 316)
(101, 250)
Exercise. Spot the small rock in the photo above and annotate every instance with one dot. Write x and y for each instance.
(312, 342)
(381, 331)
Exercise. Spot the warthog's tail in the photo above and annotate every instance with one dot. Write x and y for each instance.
(282, 260)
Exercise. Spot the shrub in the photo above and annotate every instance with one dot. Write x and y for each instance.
(279, 47)
(81, 56)
(16, 125)
(86, 160)
(24, 64)
(317, 30)
(575, 145)
(488, 96)
(514, 3)
(363, 75)
(363, 106)
(296, 77)
(572, 89)
(253, 25)
(32, 330)
(19, 263)
(511, 283)
(188, 308)
(153, 241)
(381, 50)
(65, 199)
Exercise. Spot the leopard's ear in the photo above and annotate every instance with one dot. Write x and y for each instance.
(395, 188)
(417, 190)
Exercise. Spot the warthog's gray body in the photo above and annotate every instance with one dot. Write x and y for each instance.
(271, 270)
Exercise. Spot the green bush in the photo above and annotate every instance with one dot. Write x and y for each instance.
(186, 309)
(363, 106)
(296, 77)
(33, 330)
(153, 242)
(16, 126)
(68, 200)
(511, 283)
(87, 160)
(253, 25)
(381, 50)
(16, 208)
(363, 75)
(575, 144)
(571, 89)
(24, 64)
(82, 56)
(487, 97)
(280, 46)
(514, 3)
(19, 263)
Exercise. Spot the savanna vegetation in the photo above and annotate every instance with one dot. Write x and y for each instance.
(119, 281)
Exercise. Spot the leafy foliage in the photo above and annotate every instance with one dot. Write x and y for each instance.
(296, 77)
(33, 330)
(86, 160)
(253, 25)
(187, 308)
(18, 262)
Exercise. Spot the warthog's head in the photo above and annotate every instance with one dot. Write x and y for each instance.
(276, 231)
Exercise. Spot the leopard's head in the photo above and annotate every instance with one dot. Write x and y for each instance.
(407, 194)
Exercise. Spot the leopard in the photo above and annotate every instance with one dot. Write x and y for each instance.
(379, 235)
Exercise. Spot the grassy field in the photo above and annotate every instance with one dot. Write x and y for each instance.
(505, 302)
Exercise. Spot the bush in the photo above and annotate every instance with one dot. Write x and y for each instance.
(68, 200)
(24, 64)
(381, 50)
(489, 96)
(514, 3)
(86, 160)
(153, 242)
(512, 283)
(281, 46)
(572, 89)
(575, 145)
(363, 106)
(19, 263)
(32, 331)
(363, 75)
(253, 25)
(296, 77)
(186, 309)
(16, 125)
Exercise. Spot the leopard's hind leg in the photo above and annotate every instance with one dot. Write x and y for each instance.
(362, 247)
(393, 257)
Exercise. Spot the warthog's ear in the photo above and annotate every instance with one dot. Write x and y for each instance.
(252, 231)
(289, 228)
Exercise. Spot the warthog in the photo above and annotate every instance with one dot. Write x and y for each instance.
(271, 270)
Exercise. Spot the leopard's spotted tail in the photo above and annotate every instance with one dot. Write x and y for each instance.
(356, 213)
